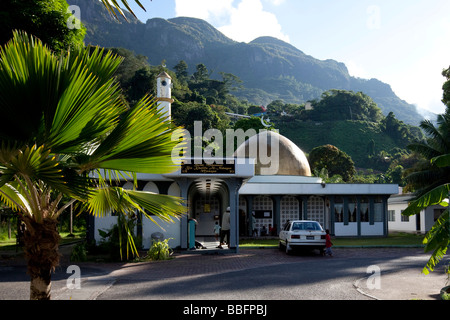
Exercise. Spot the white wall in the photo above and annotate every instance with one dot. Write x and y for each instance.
(428, 221)
(351, 229)
(398, 224)
(105, 223)
(375, 229)
(168, 229)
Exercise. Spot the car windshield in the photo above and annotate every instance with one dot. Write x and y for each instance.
(306, 226)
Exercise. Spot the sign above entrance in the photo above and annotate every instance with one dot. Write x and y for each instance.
(205, 168)
(210, 167)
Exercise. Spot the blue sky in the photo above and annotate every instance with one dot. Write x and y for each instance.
(404, 43)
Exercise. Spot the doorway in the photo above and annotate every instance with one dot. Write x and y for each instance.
(207, 213)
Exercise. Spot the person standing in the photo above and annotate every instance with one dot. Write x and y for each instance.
(254, 230)
(328, 244)
(217, 230)
(225, 228)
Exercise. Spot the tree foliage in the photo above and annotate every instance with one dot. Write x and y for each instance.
(381, 145)
(252, 123)
(437, 240)
(48, 20)
(335, 161)
(345, 105)
(426, 175)
(430, 180)
(185, 114)
(113, 6)
(76, 128)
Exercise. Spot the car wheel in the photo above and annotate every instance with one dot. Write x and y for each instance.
(288, 248)
(280, 245)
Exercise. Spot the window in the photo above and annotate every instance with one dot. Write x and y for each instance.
(310, 226)
(404, 218)
(378, 207)
(262, 208)
(289, 209)
(338, 209)
(287, 226)
(391, 215)
(352, 209)
(364, 209)
(316, 209)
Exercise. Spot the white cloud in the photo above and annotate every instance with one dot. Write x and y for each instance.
(249, 21)
(355, 69)
(243, 21)
(276, 2)
(209, 10)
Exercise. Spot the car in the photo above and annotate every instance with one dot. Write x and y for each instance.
(302, 234)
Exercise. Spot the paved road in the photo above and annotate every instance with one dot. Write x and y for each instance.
(253, 274)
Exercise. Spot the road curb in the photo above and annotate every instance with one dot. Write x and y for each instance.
(358, 288)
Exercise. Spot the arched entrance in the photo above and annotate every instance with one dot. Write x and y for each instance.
(206, 213)
(207, 198)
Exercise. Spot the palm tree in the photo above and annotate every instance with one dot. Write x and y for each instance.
(66, 131)
(426, 175)
(113, 5)
(437, 240)
(430, 181)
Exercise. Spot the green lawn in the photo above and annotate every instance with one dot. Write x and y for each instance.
(10, 244)
(394, 239)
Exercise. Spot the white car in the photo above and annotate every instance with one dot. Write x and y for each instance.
(302, 234)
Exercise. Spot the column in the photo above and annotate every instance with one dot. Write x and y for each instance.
(385, 213)
(305, 207)
(300, 207)
(233, 190)
(332, 216)
(184, 187)
(358, 215)
(249, 200)
(277, 212)
(345, 218)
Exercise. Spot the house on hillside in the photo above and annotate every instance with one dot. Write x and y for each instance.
(259, 113)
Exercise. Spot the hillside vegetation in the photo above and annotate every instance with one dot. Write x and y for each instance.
(372, 140)
(270, 69)
(213, 75)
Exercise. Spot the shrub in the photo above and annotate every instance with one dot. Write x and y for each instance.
(160, 250)
(79, 253)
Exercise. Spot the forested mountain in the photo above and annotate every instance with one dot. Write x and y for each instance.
(337, 116)
(269, 68)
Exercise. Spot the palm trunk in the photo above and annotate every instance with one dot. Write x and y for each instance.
(41, 241)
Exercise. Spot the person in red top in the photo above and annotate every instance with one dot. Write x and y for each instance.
(328, 244)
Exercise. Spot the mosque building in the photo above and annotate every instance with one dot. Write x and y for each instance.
(263, 193)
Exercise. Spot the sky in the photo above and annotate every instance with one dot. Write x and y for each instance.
(404, 43)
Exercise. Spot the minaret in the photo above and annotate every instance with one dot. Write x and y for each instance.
(164, 93)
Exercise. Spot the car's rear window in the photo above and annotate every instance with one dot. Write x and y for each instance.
(306, 226)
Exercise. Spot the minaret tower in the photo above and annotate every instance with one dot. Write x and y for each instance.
(164, 93)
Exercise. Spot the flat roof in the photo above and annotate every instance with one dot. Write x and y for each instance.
(293, 185)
